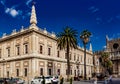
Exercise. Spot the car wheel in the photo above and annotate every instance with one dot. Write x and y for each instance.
(51, 82)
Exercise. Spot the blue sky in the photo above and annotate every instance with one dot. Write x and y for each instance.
(101, 17)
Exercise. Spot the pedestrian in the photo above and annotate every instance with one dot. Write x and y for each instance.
(110, 79)
(5, 81)
(61, 79)
(106, 81)
(43, 82)
(95, 80)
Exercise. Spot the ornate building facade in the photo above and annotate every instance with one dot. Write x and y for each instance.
(113, 47)
(33, 52)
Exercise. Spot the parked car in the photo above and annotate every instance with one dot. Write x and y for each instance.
(16, 81)
(55, 79)
(48, 80)
(1, 80)
(36, 80)
(39, 80)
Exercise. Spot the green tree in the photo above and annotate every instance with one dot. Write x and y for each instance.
(106, 62)
(85, 35)
(67, 40)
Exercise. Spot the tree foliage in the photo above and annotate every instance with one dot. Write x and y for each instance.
(67, 40)
(106, 62)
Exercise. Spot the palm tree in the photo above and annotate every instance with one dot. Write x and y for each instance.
(67, 40)
(85, 35)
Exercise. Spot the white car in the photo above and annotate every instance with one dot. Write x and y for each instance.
(39, 80)
(47, 80)
(54, 79)
(36, 80)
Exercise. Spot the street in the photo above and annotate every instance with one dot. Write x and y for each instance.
(114, 81)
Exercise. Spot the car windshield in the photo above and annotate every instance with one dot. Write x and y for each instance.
(47, 77)
(38, 78)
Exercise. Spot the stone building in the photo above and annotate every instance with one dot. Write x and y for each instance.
(33, 52)
(113, 47)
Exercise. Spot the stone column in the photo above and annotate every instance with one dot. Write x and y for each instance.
(33, 67)
(118, 68)
(34, 44)
(46, 68)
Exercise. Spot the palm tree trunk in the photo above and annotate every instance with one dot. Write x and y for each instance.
(68, 63)
(85, 61)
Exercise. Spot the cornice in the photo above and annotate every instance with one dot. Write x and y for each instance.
(26, 31)
(36, 56)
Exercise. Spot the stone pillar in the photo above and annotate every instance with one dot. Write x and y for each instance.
(34, 44)
(22, 68)
(46, 68)
(37, 67)
(118, 68)
(33, 67)
(21, 47)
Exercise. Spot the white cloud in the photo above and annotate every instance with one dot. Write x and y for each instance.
(93, 9)
(13, 12)
(28, 2)
(7, 10)
(26, 15)
(2, 2)
(104, 47)
(29, 13)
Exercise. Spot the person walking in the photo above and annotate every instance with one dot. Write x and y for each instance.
(5, 81)
(95, 80)
(61, 79)
(110, 79)
(106, 80)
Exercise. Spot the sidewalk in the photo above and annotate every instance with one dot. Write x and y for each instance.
(84, 82)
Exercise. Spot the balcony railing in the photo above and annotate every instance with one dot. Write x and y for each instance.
(115, 57)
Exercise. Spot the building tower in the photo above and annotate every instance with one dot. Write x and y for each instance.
(33, 19)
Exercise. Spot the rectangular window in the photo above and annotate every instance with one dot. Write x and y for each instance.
(8, 49)
(71, 72)
(49, 51)
(65, 55)
(66, 71)
(78, 58)
(25, 72)
(58, 71)
(70, 56)
(0, 53)
(49, 71)
(41, 49)
(75, 72)
(26, 49)
(8, 74)
(58, 54)
(41, 71)
(74, 57)
(17, 72)
(18, 50)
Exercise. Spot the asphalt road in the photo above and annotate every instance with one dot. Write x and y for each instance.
(114, 81)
